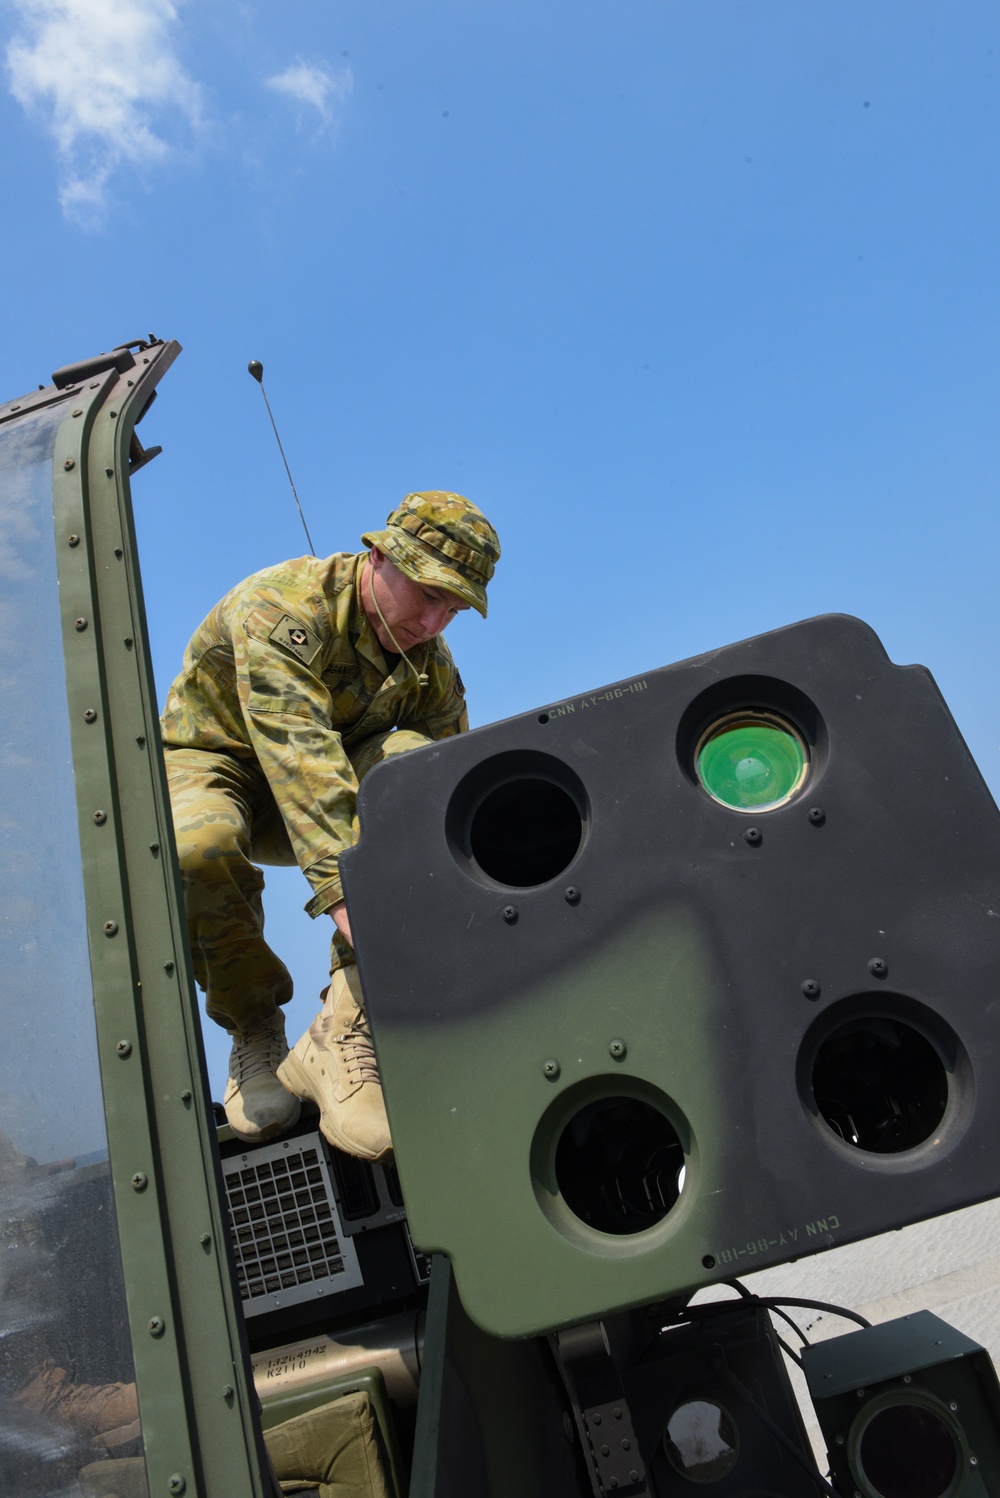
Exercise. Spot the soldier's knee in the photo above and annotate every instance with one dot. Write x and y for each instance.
(209, 846)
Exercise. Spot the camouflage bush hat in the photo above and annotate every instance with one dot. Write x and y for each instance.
(442, 539)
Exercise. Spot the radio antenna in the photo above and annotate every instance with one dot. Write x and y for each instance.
(256, 368)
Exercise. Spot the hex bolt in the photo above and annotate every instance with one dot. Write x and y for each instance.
(69, 464)
(157, 1326)
(228, 1391)
(878, 967)
(572, 895)
(810, 988)
(73, 540)
(753, 836)
(80, 624)
(110, 928)
(140, 1181)
(551, 1069)
(100, 817)
(90, 715)
(509, 914)
(124, 1048)
(617, 1050)
(816, 815)
(177, 1485)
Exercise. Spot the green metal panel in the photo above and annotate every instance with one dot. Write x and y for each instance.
(196, 1396)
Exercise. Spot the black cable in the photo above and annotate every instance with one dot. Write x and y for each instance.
(789, 1351)
(795, 1328)
(773, 1301)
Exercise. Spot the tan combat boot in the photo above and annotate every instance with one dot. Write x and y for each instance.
(334, 1064)
(257, 1106)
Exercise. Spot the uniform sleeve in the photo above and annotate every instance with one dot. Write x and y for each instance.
(440, 711)
(287, 711)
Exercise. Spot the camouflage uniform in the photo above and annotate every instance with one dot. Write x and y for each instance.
(284, 702)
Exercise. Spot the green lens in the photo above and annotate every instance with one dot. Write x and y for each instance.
(751, 763)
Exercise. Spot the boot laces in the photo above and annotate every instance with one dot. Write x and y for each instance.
(261, 1049)
(358, 1051)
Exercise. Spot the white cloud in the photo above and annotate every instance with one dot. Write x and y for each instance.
(97, 72)
(308, 83)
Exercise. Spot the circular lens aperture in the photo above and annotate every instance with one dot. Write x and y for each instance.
(751, 761)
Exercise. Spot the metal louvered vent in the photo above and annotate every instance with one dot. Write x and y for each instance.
(287, 1234)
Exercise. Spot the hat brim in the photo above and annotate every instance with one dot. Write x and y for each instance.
(423, 564)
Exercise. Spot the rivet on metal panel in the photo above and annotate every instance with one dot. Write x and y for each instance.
(811, 989)
(110, 472)
(80, 623)
(154, 848)
(100, 817)
(74, 540)
(129, 642)
(617, 1050)
(78, 411)
(157, 1326)
(509, 914)
(140, 739)
(69, 463)
(168, 967)
(90, 715)
(119, 553)
(110, 928)
(878, 967)
(753, 836)
(140, 1181)
(551, 1069)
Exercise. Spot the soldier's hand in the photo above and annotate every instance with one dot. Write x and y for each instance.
(339, 915)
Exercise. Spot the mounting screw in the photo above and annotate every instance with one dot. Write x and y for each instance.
(186, 1095)
(753, 836)
(838, 1440)
(124, 1048)
(154, 848)
(509, 914)
(157, 1326)
(177, 1484)
(168, 967)
(810, 988)
(90, 715)
(617, 1050)
(140, 739)
(907, 1378)
(205, 1239)
(110, 472)
(139, 1181)
(100, 817)
(128, 642)
(119, 553)
(78, 411)
(69, 464)
(228, 1391)
(572, 895)
(878, 967)
(551, 1069)
(74, 540)
(110, 928)
(860, 1393)
(80, 624)
(816, 815)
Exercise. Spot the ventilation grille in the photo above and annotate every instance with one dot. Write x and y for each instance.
(287, 1234)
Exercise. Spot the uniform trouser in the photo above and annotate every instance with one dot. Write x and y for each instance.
(226, 822)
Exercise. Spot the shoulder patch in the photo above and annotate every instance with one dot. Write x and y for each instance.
(293, 636)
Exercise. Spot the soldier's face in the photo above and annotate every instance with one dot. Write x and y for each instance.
(415, 612)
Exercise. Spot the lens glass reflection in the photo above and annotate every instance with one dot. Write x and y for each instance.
(701, 1441)
(751, 761)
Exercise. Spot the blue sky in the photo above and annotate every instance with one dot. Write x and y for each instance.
(697, 299)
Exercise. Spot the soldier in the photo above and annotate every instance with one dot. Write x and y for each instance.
(303, 677)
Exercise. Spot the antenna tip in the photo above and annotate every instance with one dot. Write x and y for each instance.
(256, 368)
